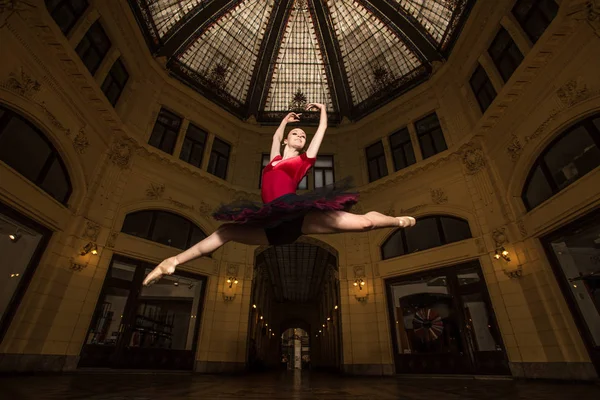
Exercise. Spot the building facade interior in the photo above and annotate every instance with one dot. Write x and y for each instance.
(125, 123)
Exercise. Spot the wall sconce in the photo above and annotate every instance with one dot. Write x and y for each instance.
(510, 271)
(14, 237)
(502, 252)
(229, 288)
(89, 248)
(361, 290)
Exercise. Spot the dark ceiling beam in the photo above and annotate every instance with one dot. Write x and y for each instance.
(269, 48)
(211, 12)
(405, 28)
(337, 72)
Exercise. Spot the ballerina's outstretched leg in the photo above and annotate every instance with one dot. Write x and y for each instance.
(323, 222)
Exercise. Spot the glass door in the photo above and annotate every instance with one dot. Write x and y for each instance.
(574, 252)
(442, 322)
(153, 327)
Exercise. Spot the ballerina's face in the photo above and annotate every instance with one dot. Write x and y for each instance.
(296, 139)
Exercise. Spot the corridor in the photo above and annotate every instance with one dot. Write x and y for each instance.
(294, 385)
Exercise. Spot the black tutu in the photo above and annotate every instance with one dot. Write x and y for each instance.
(334, 197)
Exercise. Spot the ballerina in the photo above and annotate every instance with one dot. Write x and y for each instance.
(284, 216)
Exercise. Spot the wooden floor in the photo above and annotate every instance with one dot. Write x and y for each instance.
(292, 385)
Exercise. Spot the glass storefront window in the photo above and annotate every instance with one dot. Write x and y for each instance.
(578, 256)
(425, 320)
(165, 316)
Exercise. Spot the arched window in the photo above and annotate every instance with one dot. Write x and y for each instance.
(26, 149)
(429, 232)
(574, 153)
(163, 227)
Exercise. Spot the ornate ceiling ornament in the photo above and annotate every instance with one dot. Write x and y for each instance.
(299, 102)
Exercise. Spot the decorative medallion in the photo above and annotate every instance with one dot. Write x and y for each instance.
(155, 191)
(438, 196)
(22, 84)
(474, 161)
(80, 142)
(120, 153)
(359, 271)
(233, 269)
(499, 236)
(91, 231)
(514, 148)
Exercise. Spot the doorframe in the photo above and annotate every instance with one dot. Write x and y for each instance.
(133, 299)
(561, 279)
(17, 297)
(457, 292)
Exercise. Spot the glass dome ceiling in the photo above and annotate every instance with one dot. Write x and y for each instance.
(263, 58)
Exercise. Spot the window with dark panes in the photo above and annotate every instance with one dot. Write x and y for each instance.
(505, 54)
(570, 156)
(429, 232)
(166, 129)
(376, 164)
(264, 163)
(66, 13)
(163, 227)
(219, 158)
(193, 145)
(93, 47)
(323, 171)
(26, 149)
(535, 16)
(403, 153)
(482, 88)
(431, 137)
(115, 82)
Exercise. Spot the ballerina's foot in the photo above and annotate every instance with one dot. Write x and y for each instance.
(405, 222)
(167, 267)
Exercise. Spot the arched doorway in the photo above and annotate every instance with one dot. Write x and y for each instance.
(295, 286)
(295, 349)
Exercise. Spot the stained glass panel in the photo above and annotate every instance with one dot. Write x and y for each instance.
(166, 13)
(226, 53)
(299, 74)
(433, 15)
(375, 58)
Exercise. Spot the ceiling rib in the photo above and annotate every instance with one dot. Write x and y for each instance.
(334, 61)
(269, 49)
(211, 12)
(404, 28)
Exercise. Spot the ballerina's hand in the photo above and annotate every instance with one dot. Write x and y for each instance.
(318, 106)
(167, 267)
(292, 117)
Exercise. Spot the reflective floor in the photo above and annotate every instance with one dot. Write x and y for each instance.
(291, 385)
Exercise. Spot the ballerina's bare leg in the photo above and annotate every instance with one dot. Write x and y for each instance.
(315, 222)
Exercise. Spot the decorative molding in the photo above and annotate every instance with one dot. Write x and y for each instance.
(522, 228)
(53, 121)
(499, 236)
(480, 246)
(412, 209)
(22, 84)
(91, 231)
(10, 7)
(359, 271)
(180, 204)
(572, 92)
(155, 191)
(438, 196)
(588, 12)
(514, 148)
(112, 238)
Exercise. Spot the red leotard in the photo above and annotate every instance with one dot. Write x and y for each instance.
(284, 177)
